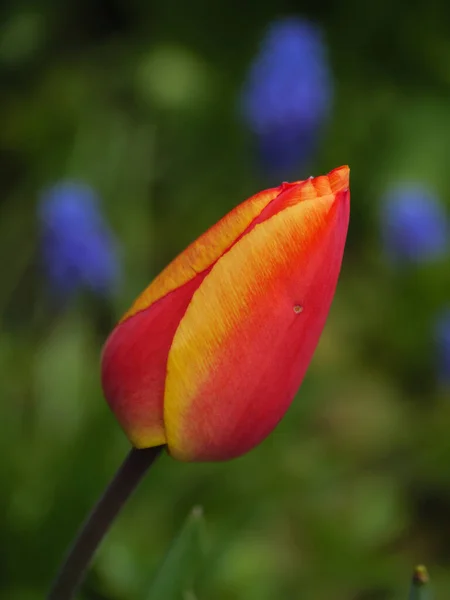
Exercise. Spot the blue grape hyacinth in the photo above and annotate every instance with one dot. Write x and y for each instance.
(287, 95)
(78, 248)
(442, 337)
(414, 224)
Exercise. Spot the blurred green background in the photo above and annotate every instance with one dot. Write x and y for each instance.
(140, 100)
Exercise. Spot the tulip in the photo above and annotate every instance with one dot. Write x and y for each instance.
(209, 357)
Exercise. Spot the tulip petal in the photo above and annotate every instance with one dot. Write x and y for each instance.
(134, 365)
(249, 332)
(204, 252)
(300, 191)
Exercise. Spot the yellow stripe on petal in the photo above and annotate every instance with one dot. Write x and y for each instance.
(274, 262)
(204, 252)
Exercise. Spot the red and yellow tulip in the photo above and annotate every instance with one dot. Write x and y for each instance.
(211, 354)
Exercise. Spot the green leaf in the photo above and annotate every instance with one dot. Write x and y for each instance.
(177, 571)
(420, 589)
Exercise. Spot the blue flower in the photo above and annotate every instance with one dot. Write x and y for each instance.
(78, 249)
(442, 336)
(414, 224)
(287, 95)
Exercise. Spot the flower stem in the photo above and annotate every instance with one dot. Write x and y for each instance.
(100, 520)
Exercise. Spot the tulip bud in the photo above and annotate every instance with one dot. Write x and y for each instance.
(209, 357)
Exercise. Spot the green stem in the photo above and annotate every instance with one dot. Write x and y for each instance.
(420, 589)
(100, 520)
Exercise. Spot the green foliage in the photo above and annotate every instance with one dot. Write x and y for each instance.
(175, 576)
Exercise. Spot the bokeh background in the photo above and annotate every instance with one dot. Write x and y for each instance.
(127, 129)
